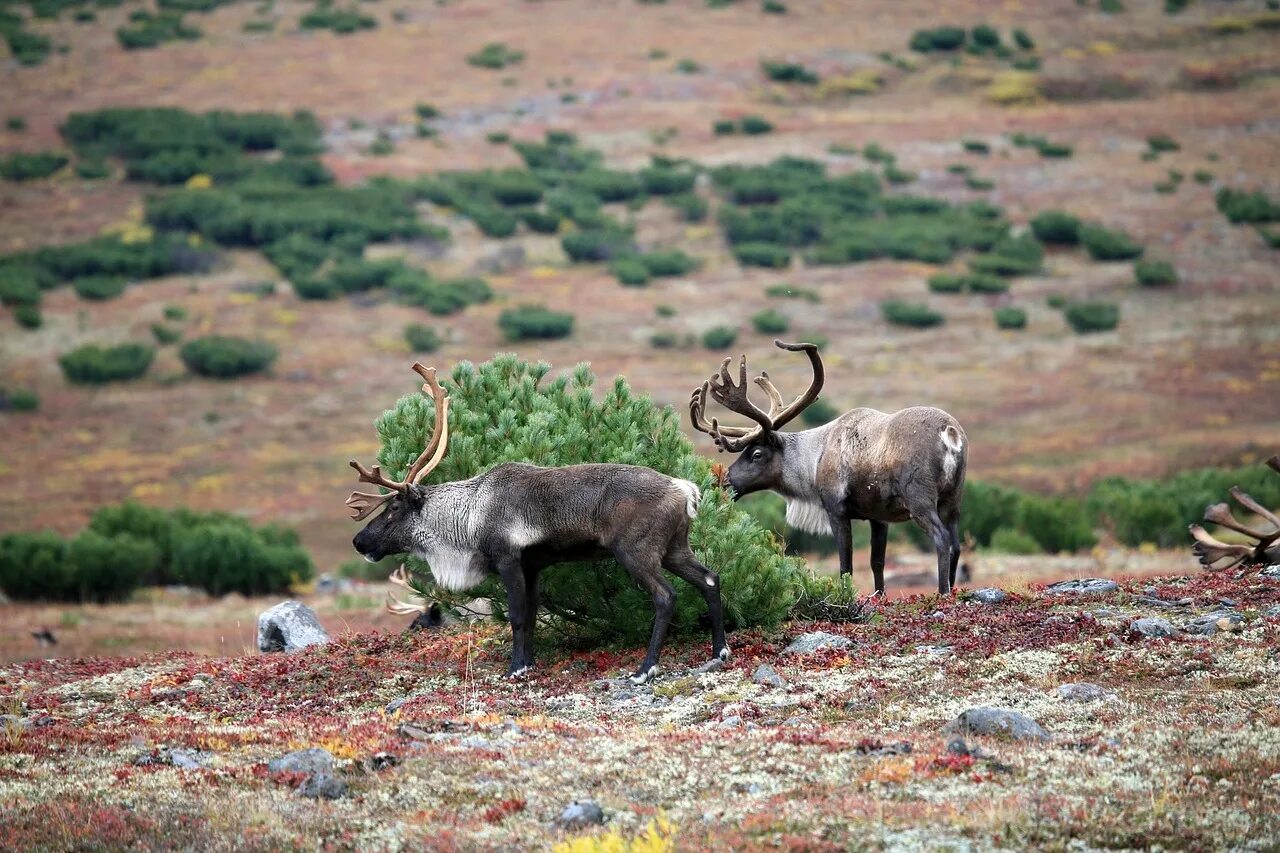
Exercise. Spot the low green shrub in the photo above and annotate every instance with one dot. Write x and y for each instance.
(820, 412)
(1023, 40)
(109, 568)
(791, 291)
(99, 288)
(18, 400)
(762, 255)
(19, 285)
(1093, 316)
(421, 338)
(323, 16)
(753, 125)
(976, 146)
(597, 245)
(231, 557)
(667, 262)
(1242, 206)
(1162, 142)
(20, 166)
(912, 314)
(534, 322)
(982, 184)
(95, 365)
(1105, 245)
(938, 38)
(985, 283)
(227, 357)
(897, 176)
(664, 340)
(664, 180)
(1010, 317)
(985, 36)
(1056, 524)
(873, 152)
(1009, 540)
(176, 313)
(34, 566)
(770, 322)
(690, 206)
(630, 271)
(788, 72)
(1155, 273)
(495, 55)
(28, 316)
(773, 7)
(1054, 150)
(945, 282)
(1056, 227)
(540, 221)
(147, 30)
(719, 337)
(165, 334)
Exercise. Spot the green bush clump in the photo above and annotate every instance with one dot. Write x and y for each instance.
(148, 30)
(762, 255)
(770, 322)
(667, 262)
(791, 291)
(773, 7)
(109, 568)
(1162, 142)
(985, 36)
(719, 337)
(663, 340)
(939, 38)
(1092, 316)
(897, 176)
(598, 602)
(165, 334)
(341, 21)
(983, 184)
(788, 72)
(19, 285)
(1241, 206)
(986, 283)
(1105, 245)
(495, 55)
(415, 287)
(820, 412)
(1056, 524)
(421, 338)
(691, 206)
(540, 221)
(28, 316)
(873, 152)
(1055, 150)
(1155, 273)
(20, 166)
(976, 146)
(27, 47)
(34, 566)
(18, 400)
(945, 282)
(226, 357)
(1023, 40)
(666, 180)
(1009, 540)
(1056, 227)
(630, 271)
(1010, 317)
(99, 287)
(534, 322)
(1010, 256)
(426, 111)
(95, 365)
(601, 244)
(912, 314)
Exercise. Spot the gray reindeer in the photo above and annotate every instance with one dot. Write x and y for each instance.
(515, 520)
(863, 465)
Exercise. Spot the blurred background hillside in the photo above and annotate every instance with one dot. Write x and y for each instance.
(227, 228)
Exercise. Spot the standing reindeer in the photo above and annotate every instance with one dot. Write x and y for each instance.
(517, 519)
(863, 465)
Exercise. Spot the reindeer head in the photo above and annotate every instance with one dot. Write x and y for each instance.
(760, 465)
(392, 531)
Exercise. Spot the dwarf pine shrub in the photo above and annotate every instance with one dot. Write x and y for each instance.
(1056, 227)
(719, 337)
(95, 365)
(1010, 317)
(770, 322)
(534, 322)
(507, 410)
(911, 314)
(1106, 245)
(1086, 317)
(227, 357)
(1155, 273)
(20, 166)
(421, 338)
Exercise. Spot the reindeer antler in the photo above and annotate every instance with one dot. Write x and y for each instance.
(734, 397)
(364, 504)
(400, 577)
(1211, 550)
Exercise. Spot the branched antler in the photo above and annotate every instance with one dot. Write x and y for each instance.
(400, 577)
(364, 504)
(1212, 551)
(734, 397)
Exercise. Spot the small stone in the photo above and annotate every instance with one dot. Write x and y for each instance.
(713, 665)
(767, 676)
(581, 813)
(731, 722)
(1084, 692)
(958, 746)
(989, 595)
(1272, 612)
(313, 760)
(999, 722)
(1224, 621)
(289, 626)
(13, 722)
(1228, 602)
(1082, 586)
(185, 759)
(812, 642)
(1152, 628)
(1271, 571)
(396, 704)
(322, 785)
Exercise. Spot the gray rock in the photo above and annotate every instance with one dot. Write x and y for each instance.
(713, 665)
(396, 704)
(584, 813)
(808, 643)
(14, 722)
(1152, 628)
(313, 760)
(1082, 586)
(767, 676)
(1084, 692)
(322, 785)
(989, 595)
(1272, 612)
(185, 759)
(289, 626)
(731, 722)
(1211, 623)
(998, 722)
(1271, 571)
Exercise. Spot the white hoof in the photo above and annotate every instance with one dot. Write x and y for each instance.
(645, 677)
(724, 653)
(519, 673)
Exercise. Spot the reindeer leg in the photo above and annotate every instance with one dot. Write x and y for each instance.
(682, 563)
(649, 576)
(844, 540)
(879, 540)
(953, 528)
(932, 524)
(511, 571)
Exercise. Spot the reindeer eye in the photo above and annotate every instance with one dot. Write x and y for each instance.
(757, 455)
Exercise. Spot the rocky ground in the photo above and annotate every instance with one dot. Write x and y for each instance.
(1128, 715)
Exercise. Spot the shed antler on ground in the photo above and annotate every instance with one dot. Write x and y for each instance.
(1266, 548)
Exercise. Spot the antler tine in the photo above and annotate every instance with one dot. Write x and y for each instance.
(363, 504)
(403, 608)
(697, 415)
(438, 444)
(775, 396)
(734, 396)
(400, 577)
(1220, 514)
(1245, 500)
(1210, 550)
(815, 387)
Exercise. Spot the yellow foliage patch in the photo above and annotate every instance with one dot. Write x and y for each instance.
(1101, 48)
(285, 317)
(1011, 88)
(865, 82)
(242, 298)
(199, 182)
(544, 272)
(657, 837)
(1229, 24)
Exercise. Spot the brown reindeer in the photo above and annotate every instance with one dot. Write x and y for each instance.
(865, 464)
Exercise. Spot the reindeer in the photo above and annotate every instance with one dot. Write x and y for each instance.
(863, 465)
(516, 519)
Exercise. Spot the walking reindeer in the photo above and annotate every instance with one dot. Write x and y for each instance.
(863, 465)
(516, 519)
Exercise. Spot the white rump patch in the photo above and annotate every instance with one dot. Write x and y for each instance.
(808, 516)
(951, 438)
(692, 496)
(954, 444)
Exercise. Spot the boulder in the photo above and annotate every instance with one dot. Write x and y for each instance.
(1082, 586)
(581, 813)
(815, 641)
(1226, 621)
(767, 676)
(998, 722)
(322, 786)
(313, 760)
(1153, 627)
(289, 626)
(989, 595)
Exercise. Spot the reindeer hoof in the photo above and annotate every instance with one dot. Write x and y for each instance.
(644, 676)
(519, 672)
(724, 654)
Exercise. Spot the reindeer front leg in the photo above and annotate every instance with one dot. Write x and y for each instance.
(879, 541)
(511, 570)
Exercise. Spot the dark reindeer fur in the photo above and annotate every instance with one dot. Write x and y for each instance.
(866, 464)
(517, 519)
